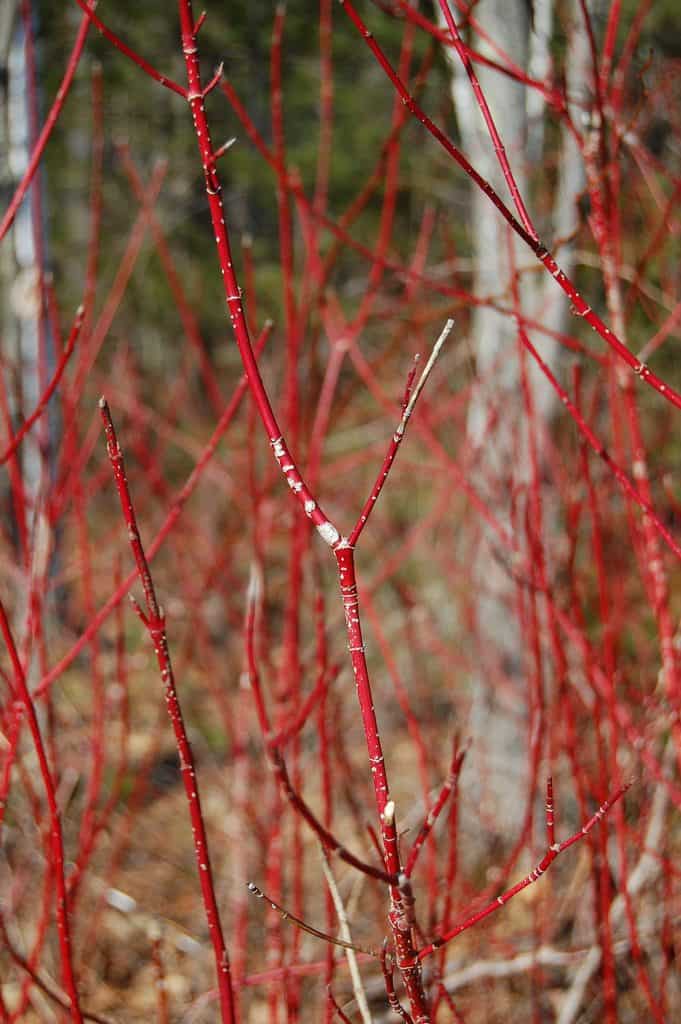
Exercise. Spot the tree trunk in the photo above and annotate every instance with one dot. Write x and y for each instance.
(497, 427)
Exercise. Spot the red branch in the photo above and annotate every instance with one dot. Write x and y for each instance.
(50, 121)
(154, 621)
(578, 305)
(552, 852)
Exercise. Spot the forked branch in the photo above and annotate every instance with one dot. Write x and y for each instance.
(553, 851)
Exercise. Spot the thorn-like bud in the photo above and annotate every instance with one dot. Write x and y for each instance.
(389, 812)
(223, 148)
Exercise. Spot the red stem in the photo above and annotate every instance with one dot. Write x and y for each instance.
(56, 839)
(50, 121)
(129, 53)
(449, 784)
(154, 621)
(49, 390)
(169, 522)
(551, 853)
(578, 305)
(489, 121)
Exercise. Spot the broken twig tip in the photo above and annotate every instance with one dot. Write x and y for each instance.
(254, 585)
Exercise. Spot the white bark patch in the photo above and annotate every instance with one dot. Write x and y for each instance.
(389, 812)
(278, 446)
(328, 532)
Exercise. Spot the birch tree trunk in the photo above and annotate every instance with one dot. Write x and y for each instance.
(25, 338)
(497, 428)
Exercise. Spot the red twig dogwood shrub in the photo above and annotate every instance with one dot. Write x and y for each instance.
(326, 637)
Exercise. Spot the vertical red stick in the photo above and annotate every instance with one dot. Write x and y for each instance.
(56, 840)
(154, 622)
